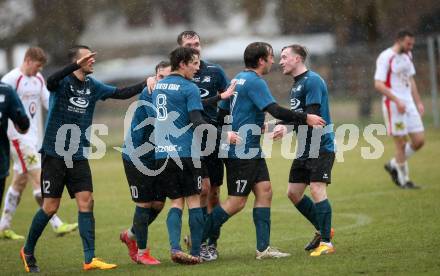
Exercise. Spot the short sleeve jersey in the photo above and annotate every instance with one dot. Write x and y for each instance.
(246, 107)
(33, 94)
(10, 108)
(73, 103)
(141, 130)
(396, 70)
(309, 88)
(174, 97)
(211, 80)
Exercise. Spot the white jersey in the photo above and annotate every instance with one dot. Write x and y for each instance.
(396, 71)
(33, 93)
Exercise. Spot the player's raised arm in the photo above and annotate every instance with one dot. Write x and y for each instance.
(129, 91)
(222, 96)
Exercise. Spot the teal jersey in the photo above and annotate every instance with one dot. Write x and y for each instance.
(73, 103)
(246, 107)
(174, 97)
(309, 89)
(141, 136)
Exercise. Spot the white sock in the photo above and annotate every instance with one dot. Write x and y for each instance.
(406, 171)
(401, 175)
(141, 251)
(393, 163)
(12, 199)
(409, 151)
(55, 221)
(130, 234)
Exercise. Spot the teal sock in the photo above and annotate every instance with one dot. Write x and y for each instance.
(307, 208)
(174, 225)
(324, 218)
(140, 225)
(196, 222)
(153, 215)
(39, 222)
(86, 225)
(219, 217)
(262, 227)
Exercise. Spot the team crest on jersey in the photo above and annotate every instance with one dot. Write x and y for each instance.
(206, 79)
(79, 102)
(297, 89)
(196, 79)
(32, 109)
(294, 103)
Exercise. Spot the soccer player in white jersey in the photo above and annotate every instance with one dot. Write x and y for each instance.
(30, 86)
(401, 104)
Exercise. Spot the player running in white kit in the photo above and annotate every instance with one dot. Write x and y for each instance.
(30, 86)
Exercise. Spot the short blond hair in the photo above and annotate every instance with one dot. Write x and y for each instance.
(36, 54)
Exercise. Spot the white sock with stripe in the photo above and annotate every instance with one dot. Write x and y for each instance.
(12, 199)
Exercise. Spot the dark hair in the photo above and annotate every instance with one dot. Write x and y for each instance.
(299, 50)
(403, 33)
(182, 54)
(72, 54)
(36, 54)
(254, 52)
(162, 64)
(184, 34)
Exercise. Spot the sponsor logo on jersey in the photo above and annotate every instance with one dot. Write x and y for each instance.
(206, 79)
(85, 91)
(79, 102)
(203, 92)
(294, 103)
(168, 148)
(32, 109)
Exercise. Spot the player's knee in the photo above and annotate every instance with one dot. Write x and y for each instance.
(418, 144)
(318, 191)
(157, 205)
(294, 196)
(50, 209)
(85, 204)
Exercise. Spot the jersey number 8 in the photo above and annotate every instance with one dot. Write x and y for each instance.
(161, 102)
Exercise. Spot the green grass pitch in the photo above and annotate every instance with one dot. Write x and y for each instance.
(380, 229)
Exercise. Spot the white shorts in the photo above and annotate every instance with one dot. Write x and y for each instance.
(400, 124)
(25, 155)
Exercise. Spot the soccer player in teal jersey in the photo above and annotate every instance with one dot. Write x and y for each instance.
(245, 166)
(313, 164)
(10, 108)
(179, 108)
(74, 95)
(139, 171)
